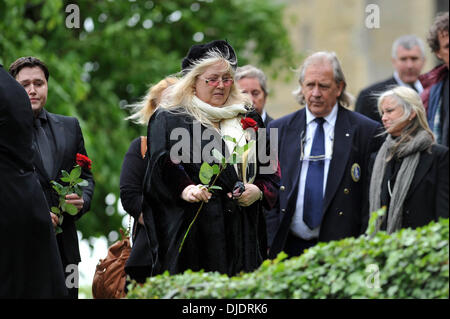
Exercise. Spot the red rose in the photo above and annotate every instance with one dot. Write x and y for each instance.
(248, 122)
(83, 161)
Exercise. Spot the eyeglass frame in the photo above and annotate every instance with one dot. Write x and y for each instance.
(207, 81)
(312, 158)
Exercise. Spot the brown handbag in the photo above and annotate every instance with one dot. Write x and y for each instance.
(110, 277)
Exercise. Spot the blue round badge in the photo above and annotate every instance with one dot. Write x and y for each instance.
(356, 172)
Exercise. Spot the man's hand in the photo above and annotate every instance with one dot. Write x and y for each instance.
(75, 200)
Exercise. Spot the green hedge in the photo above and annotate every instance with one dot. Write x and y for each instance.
(411, 264)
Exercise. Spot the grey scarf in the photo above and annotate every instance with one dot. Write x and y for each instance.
(410, 152)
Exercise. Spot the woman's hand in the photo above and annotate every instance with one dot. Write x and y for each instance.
(195, 193)
(55, 219)
(141, 219)
(251, 194)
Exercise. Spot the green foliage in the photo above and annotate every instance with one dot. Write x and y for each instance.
(125, 46)
(373, 220)
(410, 264)
(74, 185)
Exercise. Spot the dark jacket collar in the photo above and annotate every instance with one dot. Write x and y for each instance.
(42, 116)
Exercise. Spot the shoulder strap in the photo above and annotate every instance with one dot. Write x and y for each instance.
(143, 146)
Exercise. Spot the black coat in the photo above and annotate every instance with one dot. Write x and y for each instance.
(69, 141)
(272, 216)
(267, 120)
(30, 264)
(366, 103)
(143, 257)
(427, 197)
(225, 237)
(354, 141)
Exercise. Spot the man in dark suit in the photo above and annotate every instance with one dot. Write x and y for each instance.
(30, 264)
(57, 140)
(323, 151)
(408, 59)
(253, 82)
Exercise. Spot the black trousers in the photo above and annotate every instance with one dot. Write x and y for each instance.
(71, 277)
(295, 246)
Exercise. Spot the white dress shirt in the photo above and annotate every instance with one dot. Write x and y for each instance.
(263, 115)
(298, 226)
(417, 84)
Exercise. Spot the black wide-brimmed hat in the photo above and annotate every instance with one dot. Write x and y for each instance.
(199, 51)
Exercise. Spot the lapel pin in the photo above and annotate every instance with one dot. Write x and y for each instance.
(356, 172)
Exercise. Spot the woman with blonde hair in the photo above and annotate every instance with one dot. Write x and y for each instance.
(141, 261)
(410, 172)
(143, 110)
(202, 108)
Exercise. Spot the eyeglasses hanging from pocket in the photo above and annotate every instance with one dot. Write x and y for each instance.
(314, 158)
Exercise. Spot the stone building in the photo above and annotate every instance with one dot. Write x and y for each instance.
(351, 29)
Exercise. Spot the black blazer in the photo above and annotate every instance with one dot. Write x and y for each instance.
(30, 264)
(427, 197)
(69, 141)
(354, 141)
(267, 120)
(366, 103)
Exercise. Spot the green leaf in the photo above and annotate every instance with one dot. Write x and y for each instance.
(75, 173)
(65, 179)
(82, 183)
(216, 169)
(233, 159)
(373, 220)
(241, 149)
(251, 144)
(57, 187)
(229, 138)
(65, 174)
(215, 187)
(217, 155)
(55, 210)
(70, 209)
(77, 190)
(206, 172)
(58, 230)
(64, 191)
